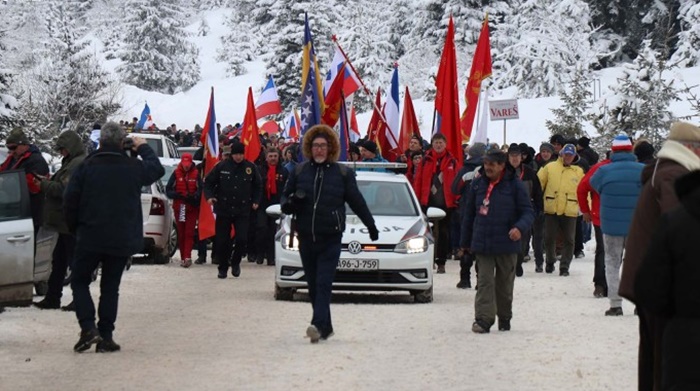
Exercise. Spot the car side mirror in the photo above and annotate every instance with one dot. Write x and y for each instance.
(435, 214)
(274, 210)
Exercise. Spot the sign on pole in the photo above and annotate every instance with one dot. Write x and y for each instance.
(503, 109)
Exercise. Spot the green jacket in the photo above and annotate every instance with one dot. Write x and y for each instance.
(53, 188)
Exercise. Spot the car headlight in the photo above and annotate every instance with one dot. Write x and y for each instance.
(416, 244)
(284, 241)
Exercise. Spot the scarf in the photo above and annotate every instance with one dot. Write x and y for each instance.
(271, 187)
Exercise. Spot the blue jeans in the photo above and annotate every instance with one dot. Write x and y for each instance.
(320, 260)
(84, 265)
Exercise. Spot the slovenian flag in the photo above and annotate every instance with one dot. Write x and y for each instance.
(268, 102)
(145, 121)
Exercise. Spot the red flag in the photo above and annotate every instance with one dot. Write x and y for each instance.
(334, 98)
(481, 69)
(447, 98)
(409, 123)
(382, 141)
(210, 140)
(251, 135)
(376, 123)
(354, 129)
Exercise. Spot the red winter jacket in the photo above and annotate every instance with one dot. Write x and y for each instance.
(585, 188)
(424, 177)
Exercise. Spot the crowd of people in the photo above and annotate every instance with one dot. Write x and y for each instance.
(500, 201)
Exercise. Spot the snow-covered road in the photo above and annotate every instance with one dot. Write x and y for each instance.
(183, 329)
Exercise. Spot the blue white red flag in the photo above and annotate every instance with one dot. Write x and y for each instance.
(145, 121)
(391, 113)
(291, 126)
(210, 140)
(268, 102)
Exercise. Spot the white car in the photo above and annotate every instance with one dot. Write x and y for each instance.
(21, 267)
(402, 258)
(159, 231)
(162, 145)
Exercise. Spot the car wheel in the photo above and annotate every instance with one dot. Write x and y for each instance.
(41, 287)
(425, 296)
(172, 243)
(284, 294)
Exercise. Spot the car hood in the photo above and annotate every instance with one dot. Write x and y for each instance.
(392, 229)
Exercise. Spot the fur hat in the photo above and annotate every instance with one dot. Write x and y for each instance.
(682, 131)
(18, 137)
(621, 142)
(323, 131)
(237, 147)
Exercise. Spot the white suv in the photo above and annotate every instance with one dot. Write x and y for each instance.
(162, 145)
(402, 258)
(159, 232)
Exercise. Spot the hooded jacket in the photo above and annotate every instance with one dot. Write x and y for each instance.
(53, 189)
(559, 184)
(666, 285)
(657, 197)
(327, 187)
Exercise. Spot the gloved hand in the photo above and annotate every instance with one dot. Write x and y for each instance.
(373, 233)
(289, 207)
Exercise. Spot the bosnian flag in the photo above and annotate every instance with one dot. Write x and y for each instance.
(268, 102)
(392, 111)
(291, 125)
(145, 121)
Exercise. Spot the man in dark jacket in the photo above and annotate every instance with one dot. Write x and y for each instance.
(498, 211)
(678, 155)
(586, 152)
(26, 156)
(316, 193)
(460, 187)
(667, 286)
(102, 204)
(532, 184)
(234, 188)
(70, 146)
(274, 176)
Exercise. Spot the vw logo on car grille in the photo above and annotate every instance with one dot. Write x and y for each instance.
(354, 247)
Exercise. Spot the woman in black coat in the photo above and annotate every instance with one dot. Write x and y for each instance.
(667, 285)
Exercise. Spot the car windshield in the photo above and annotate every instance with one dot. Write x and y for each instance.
(156, 144)
(387, 198)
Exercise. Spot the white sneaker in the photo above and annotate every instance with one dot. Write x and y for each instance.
(313, 334)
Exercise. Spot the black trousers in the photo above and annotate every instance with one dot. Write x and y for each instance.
(112, 268)
(320, 261)
(578, 241)
(266, 229)
(599, 267)
(229, 252)
(62, 257)
(538, 239)
(651, 332)
(441, 231)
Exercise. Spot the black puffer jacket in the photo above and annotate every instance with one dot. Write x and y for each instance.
(327, 187)
(236, 187)
(667, 285)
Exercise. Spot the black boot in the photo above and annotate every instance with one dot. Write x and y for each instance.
(70, 307)
(107, 346)
(87, 339)
(48, 304)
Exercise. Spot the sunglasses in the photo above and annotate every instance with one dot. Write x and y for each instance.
(11, 147)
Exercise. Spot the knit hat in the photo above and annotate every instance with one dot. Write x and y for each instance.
(621, 142)
(584, 142)
(548, 147)
(682, 131)
(17, 136)
(477, 150)
(568, 149)
(354, 148)
(237, 147)
(370, 146)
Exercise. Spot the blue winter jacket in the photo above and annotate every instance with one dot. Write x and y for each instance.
(509, 207)
(619, 184)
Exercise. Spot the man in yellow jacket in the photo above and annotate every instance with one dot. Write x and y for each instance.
(559, 181)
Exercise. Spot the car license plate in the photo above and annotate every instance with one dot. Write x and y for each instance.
(358, 264)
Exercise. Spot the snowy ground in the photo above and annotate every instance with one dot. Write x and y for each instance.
(185, 329)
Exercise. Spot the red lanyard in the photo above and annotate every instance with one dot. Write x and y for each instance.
(490, 189)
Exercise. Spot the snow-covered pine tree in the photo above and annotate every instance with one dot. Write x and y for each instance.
(242, 43)
(546, 41)
(157, 55)
(687, 52)
(576, 98)
(68, 89)
(639, 102)
(7, 102)
(620, 25)
(203, 29)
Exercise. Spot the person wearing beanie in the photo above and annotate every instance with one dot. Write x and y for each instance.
(678, 155)
(24, 155)
(234, 188)
(585, 151)
(545, 156)
(618, 185)
(559, 181)
(644, 151)
(319, 219)
(370, 153)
